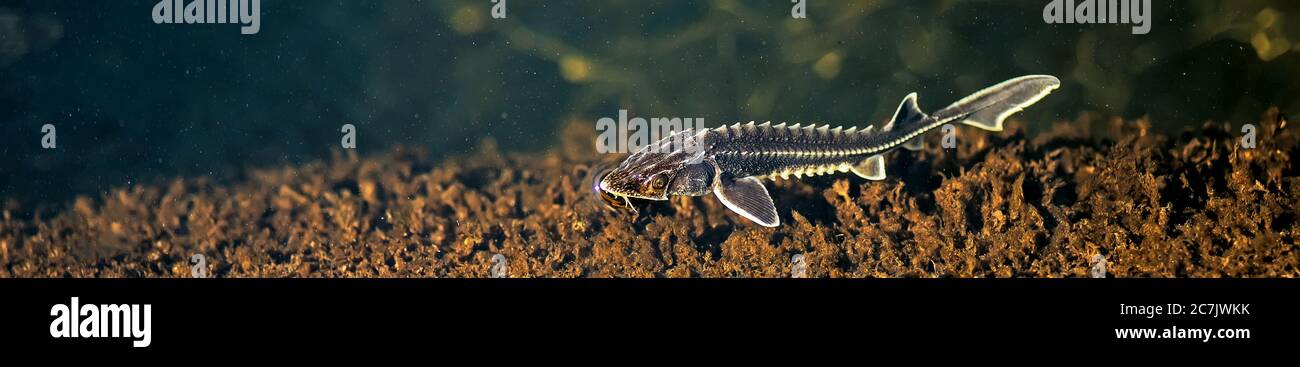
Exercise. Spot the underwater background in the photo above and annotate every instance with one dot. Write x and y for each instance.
(137, 102)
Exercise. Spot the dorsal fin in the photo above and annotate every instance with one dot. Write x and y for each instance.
(908, 113)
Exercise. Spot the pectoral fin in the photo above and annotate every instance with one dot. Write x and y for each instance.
(749, 198)
(872, 168)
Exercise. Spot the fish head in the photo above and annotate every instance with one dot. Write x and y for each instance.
(642, 176)
(653, 172)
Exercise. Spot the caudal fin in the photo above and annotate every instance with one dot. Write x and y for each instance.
(988, 108)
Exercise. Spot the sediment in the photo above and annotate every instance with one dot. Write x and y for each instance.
(1192, 204)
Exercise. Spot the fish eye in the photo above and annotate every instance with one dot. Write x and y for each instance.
(659, 182)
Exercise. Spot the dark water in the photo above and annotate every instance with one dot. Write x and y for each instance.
(139, 102)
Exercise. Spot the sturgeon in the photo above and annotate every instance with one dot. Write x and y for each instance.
(730, 161)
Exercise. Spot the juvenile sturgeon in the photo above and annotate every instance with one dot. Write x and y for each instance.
(729, 161)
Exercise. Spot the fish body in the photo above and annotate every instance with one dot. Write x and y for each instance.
(730, 161)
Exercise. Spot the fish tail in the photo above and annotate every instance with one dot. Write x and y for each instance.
(988, 108)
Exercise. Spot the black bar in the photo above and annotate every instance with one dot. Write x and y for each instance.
(364, 314)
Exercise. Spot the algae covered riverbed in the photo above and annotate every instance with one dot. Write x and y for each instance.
(1012, 204)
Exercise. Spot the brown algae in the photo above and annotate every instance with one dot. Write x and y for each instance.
(1000, 205)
